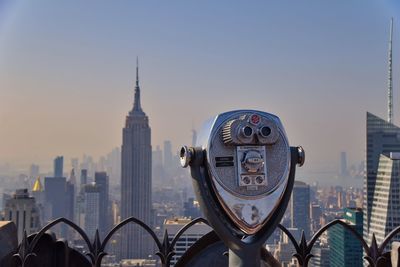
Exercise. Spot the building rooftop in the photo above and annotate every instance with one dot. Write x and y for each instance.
(178, 220)
(394, 155)
(37, 186)
(21, 193)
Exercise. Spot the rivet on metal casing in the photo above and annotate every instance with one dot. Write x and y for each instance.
(301, 156)
(185, 156)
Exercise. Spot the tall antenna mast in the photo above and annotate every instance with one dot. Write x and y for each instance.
(390, 77)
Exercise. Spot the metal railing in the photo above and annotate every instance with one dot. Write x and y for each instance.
(25, 255)
(375, 254)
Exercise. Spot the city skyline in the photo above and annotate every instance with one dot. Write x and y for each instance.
(73, 101)
(84, 139)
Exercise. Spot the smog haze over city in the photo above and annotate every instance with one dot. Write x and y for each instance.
(105, 158)
(67, 73)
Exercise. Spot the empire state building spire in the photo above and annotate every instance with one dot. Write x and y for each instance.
(136, 103)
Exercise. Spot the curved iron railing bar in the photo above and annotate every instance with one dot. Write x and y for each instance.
(123, 223)
(385, 241)
(314, 238)
(184, 228)
(291, 237)
(55, 222)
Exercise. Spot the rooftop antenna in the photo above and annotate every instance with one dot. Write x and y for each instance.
(390, 77)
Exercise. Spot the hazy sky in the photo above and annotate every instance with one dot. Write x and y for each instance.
(67, 71)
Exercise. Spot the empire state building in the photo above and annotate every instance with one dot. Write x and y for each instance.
(136, 180)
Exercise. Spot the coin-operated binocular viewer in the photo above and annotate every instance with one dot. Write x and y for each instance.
(243, 174)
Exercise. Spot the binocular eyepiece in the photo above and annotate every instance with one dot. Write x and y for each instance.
(250, 129)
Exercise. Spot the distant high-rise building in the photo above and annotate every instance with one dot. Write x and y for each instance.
(59, 197)
(84, 177)
(72, 177)
(343, 164)
(39, 195)
(321, 256)
(88, 164)
(114, 166)
(346, 250)
(300, 207)
(23, 211)
(382, 139)
(186, 240)
(55, 196)
(285, 249)
(92, 196)
(58, 166)
(168, 156)
(191, 209)
(194, 137)
(80, 198)
(74, 183)
(157, 168)
(102, 182)
(33, 171)
(136, 180)
(315, 215)
(37, 191)
(70, 199)
(157, 157)
(75, 165)
(341, 197)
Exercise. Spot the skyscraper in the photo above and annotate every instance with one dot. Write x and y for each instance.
(321, 256)
(345, 249)
(188, 238)
(194, 137)
(39, 195)
(23, 211)
(58, 166)
(382, 138)
(33, 171)
(385, 212)
(168, 156)
(92, 209)
(59, 196)
(300, 207)
(55, 197)
(136, 179)
(102, 182)
(84, 178)
(158, 177)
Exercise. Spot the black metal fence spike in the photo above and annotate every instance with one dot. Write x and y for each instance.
(25, 256)
(97, 242)
(166, 243)
(374, 255)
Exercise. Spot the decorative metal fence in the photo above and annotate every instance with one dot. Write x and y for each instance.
(375, 253)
